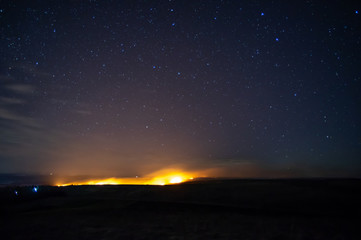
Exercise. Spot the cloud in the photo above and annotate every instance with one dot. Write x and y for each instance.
(83, 112)
(26, 145)
(10, 101)
(19, 119)
(25, 89)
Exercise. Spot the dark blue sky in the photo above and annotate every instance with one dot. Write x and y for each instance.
(122, 88)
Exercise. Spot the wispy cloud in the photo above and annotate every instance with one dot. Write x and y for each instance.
(6, 114)
(21, 88)
(10, 101)
(83, 112)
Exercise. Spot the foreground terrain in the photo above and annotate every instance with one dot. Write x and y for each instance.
(208, 209)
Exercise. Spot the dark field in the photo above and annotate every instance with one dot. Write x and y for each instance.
(212, 209)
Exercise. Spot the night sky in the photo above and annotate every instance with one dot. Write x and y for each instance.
(124, 88)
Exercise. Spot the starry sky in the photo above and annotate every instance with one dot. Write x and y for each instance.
(123, 88)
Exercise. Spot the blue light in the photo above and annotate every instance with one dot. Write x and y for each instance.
(35, 189)
(277, 39)
(356, 12)
(262, 14)
(16, 192)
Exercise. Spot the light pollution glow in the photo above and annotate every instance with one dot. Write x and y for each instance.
(163, 177)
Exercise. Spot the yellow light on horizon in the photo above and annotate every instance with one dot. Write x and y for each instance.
(176, 180)
(162, 178)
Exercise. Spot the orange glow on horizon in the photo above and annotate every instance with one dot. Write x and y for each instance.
(176, 180)
(163, 177)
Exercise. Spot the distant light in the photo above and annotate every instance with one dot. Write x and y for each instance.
(16, 192)
(163, 177)
(295, 94)
(35, 189)
(173, 24)
(215, 18)
(176, 180)
(356, 12)
(262, 14)
(277, 39)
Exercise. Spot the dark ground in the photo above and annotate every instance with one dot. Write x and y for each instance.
(212, 209)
